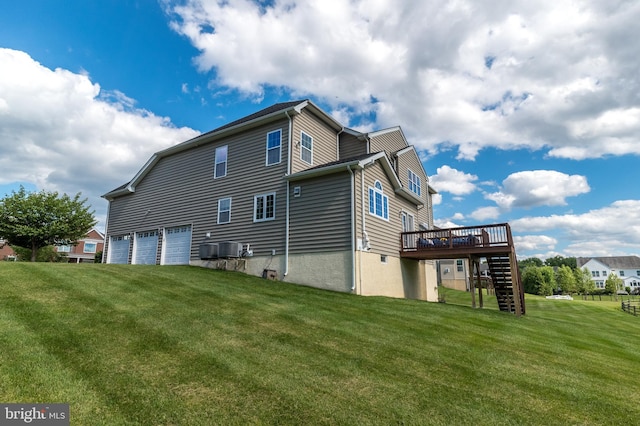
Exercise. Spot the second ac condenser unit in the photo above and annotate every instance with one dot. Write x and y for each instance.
(229, 249)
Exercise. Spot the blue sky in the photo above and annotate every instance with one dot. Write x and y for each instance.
(522, 113)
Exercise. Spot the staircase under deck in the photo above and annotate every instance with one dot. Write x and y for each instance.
(492, 242)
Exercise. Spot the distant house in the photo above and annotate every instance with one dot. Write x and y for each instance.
(86, 248)
(287, 193)
(455, 274)
(6, 252)
(625, 267)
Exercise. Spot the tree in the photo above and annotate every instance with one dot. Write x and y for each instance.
(613, 284)
(532, 280)
(38, 219)
(560, 261)
(549, 281)
(530, 261)
(566, 279)
(584, 283)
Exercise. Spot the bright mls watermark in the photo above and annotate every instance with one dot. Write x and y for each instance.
(35, 414)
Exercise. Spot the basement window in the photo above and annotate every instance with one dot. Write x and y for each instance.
(383, 258)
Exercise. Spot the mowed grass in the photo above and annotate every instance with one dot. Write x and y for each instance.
(125, 344)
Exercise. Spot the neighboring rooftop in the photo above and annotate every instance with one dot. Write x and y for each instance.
(612, 262)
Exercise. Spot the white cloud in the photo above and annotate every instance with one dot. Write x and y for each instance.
(534, 242)
(538, 188)
(484, 213)
(555, 75)
(606, 231)
(448, 179)
(63, 133)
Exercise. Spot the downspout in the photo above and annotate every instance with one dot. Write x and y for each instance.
(365, 238)
(286, 231)
(353, 231)
(105, 245)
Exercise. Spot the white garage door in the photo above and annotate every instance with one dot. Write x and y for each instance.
(146, 248)
(177, 245)
(119, 249)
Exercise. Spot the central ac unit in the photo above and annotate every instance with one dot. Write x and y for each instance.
(229, 249)
(208, 250)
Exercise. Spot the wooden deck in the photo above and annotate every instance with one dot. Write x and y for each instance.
(492, 242)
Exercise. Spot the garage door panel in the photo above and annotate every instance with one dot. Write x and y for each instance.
(119, 250)
(177, 245)
(146, 248)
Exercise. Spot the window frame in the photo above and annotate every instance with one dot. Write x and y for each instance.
(90, 243)
(278, 147)
(415, 183)
(220, 210)
(308, 149)
(265, 207)
(225, 162)
(376, 193)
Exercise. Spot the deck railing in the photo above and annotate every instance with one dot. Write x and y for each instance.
(479, 237)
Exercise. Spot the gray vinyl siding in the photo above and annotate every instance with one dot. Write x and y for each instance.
(410, 161)
(390, 142)
(324, 141)
(384, 236)
(320, 217)
(180, 190)
(351, 146)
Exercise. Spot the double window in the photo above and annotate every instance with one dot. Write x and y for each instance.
(306, 148)
(220, 168)
(274, 147)
(224, 210)
(378, 202)
(415, 185)
(90, 247)
(264, 207)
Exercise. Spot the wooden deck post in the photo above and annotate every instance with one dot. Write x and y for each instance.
(477, 266)
(472, 285)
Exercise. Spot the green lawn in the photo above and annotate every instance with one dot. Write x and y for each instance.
(156, 345)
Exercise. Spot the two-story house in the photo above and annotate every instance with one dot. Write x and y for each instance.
(84, 251)
(625, 267)
(6, 252)
(311, 202)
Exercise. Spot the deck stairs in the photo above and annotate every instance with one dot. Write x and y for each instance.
(505, 283)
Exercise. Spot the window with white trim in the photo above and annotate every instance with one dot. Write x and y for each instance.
(378, 202)
(89, 247)
(264, 207)
(220, 168)
(274, 147)
(63, 249)
(224, 210)
(306, 148)
(415, 185)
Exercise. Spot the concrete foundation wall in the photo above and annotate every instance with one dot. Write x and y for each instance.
(328, 271)
(402, 278)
